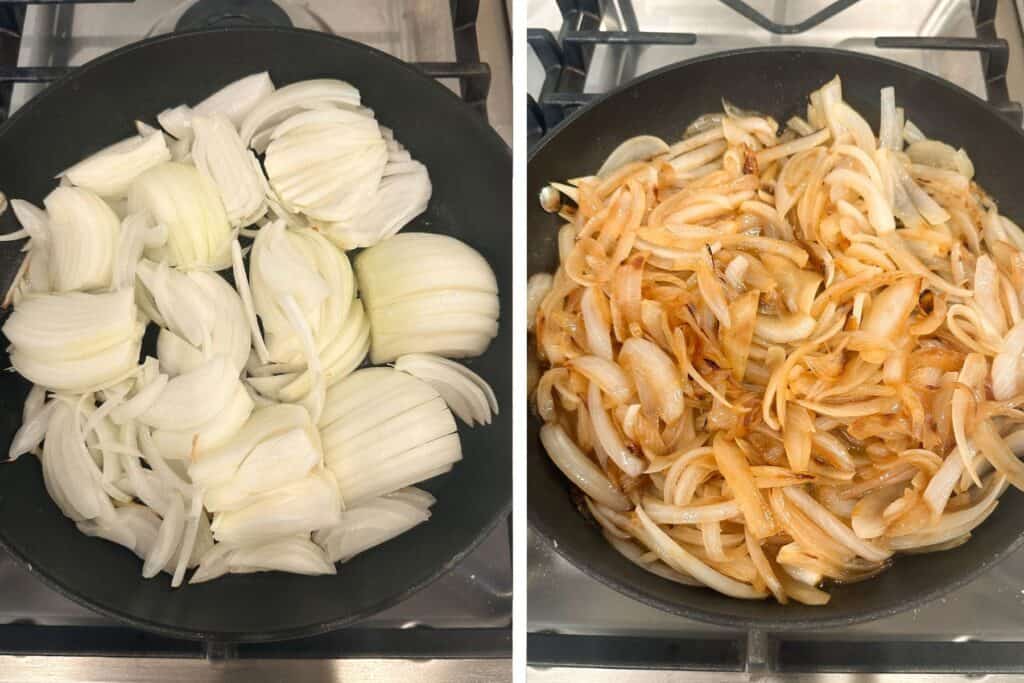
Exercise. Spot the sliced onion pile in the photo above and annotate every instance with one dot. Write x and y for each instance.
(219, 154)
(82, 233)
(403, 194)
(304, 290)
(427, 293)
(110, 172)
(249, 442)
(188, 204)
(384, 430)
(75, 342)
(771, 361)
(325, 163)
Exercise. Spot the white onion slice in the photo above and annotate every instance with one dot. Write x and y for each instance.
(109, 530)
(466, 393)
(283, 102)
(820, 515)
(214, 563)
(889, 134)
(395, 272)
(371, 395)
(167, 539)
(83, 237)
(82, 375)
(177, 121)
(31, 432)
(71, 326)
(183, 444)
(301, 506)
(236, 99)
(580, 469)
(219, 464)
(399, 198)
(374, 522)
(191, 399)
(219, 154)
(188, 540)
(242, 282)
(326, 164)
(607, 436)
(279, 460)
(179, 197)
(140, 402)
(110, 171)
(295, 555)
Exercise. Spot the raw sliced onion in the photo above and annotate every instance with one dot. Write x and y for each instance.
(326, 164)
(374, 522)
(168, 537)
(219, 154)
(110, 172)
(298, 507)
(399, 270)
(191, 399)
(279, 105)
(218, 465)
(276, 461)
(295, 555)
(400, 197)
(179, 197)
(236, 99)
(82, 239)
(465, 392)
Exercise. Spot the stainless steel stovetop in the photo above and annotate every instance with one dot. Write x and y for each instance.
(576, 623)
(474, 598)
(720, 28)
(412, 30)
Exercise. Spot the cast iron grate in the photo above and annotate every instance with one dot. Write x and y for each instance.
(566, 57)
(474, 76)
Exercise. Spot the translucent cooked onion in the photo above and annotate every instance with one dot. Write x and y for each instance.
(770, 362)
(580, 470)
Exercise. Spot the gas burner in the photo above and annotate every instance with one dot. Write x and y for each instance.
(224, 13)
(199, 14)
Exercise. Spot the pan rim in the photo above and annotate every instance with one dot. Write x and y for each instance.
(775, 624)
(725, 54)
(489, 138)
(29, 106)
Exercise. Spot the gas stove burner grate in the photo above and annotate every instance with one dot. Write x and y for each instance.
(473, 76)
(225, 13)
(566, 57)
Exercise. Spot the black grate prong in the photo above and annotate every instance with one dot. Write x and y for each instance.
(567, 58)
(476, 83)
(819, 17)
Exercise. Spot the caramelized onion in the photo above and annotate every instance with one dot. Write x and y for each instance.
(771, 362)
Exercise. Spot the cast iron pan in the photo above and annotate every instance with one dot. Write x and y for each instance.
(470, 168)
(776, 81)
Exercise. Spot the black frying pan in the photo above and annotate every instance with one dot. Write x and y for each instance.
(470, 169)
(776, 81)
